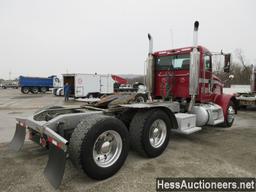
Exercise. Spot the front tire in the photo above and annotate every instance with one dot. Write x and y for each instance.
(43, 89)
(229, 120)
(99, 146)
(61, 92)
(149, 132)
(140, 98)
(90, 96)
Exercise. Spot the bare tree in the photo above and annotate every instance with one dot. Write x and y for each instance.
(245, 71)
(239, 68)
(240, 55)
(139, 79)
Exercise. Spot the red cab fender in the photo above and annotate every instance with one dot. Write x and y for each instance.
(223, 101)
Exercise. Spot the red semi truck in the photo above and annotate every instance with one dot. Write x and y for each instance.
(184, 96)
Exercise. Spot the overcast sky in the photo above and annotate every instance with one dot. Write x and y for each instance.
(45, 37)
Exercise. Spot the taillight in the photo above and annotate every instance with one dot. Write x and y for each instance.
(43, 141)
(22, 124)
(54, 142)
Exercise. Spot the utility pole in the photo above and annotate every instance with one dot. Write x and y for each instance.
(10, 74)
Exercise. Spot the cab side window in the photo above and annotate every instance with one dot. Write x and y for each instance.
(207, 62)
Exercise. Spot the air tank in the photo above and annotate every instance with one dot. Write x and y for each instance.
(202, 115)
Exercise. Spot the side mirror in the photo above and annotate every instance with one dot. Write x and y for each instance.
(227, 62)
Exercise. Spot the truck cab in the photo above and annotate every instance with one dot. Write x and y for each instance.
(185, 75)
(172, 74)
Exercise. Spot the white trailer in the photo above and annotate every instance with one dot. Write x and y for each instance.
(89, 85)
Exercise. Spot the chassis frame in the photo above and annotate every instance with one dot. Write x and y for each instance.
(51, 128)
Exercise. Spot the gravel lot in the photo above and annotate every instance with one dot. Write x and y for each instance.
(213, 152)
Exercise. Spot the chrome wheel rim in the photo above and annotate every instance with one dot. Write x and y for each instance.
(157, 133)
(231, 113)
(107, 148)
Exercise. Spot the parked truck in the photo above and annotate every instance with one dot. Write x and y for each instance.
(91, 85)
(248, 98)
(9, 84)
(94, 86)
(184, 96)
(37, 84)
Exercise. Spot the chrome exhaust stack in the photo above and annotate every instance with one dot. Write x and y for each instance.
(194, 68)
(195, 34)
(150, 68)
(150, 46)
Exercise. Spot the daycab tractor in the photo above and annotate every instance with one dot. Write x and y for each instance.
(184, 97)
(185, 75)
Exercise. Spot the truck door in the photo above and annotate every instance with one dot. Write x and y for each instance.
(206, 78)
(106, 84)
(87, 84)
(56, 82)
(79, 85)
(70, 79)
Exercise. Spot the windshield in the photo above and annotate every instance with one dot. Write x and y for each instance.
(173, 62)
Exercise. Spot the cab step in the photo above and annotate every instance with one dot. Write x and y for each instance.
(186, 123)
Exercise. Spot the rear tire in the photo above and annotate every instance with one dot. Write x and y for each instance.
(25, 90)
(90, 148)
(149, 132)
(35, 90)
(126, 116)
(43, 89)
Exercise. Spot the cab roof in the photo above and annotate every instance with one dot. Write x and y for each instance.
(178, 51)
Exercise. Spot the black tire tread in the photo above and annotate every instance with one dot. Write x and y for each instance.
(43, 89)
(136, 130)
(79, 134)
(22, 90)
(126, 117)
(35, 92)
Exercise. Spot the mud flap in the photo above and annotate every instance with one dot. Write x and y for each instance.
(55, 167)
(18, 139)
